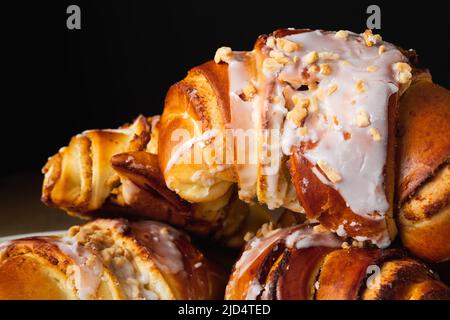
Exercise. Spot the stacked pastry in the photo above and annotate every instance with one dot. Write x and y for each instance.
(300, 132)
(108, 259)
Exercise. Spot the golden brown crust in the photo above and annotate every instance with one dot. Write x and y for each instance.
(324, 273)
(109, 259)
(423, 187)
(424, 135)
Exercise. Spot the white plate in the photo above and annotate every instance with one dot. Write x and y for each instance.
(35, 234)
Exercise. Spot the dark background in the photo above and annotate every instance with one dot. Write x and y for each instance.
(121, 63)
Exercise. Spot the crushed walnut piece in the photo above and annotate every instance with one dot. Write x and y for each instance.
(325, 69)
(313, 105)
(270, 42)
(345, 245)
(375, 133)
(362, 118)
(271, 65)
(403, 72)
(331, 174)
(300, 102)
(248, 236)
(265, 229)
(381, 49)
(319, 229)
(302, 131)
(287, 45)
(335, 120)
(341, 34)
(332, 89)
(249, 91)
(297, 115)
(360, 86)
(325, 55)
(372, 68)
(370, 38)
(279, 57)
(223, 54)
(311, 57)
(313, 68)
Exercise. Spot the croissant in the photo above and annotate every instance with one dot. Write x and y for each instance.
(307, 262)
(115, 173)
(108, 259)
(424, 173)
(306, 121)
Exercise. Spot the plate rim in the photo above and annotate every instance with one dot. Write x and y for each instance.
(32, 234)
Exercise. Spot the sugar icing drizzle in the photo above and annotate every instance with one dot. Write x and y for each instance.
(327, 92)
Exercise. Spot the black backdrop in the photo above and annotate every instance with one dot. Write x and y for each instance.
(59, 82)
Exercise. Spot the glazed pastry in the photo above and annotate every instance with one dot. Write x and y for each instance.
(115, 172)
(305, 262)
(108, 259)
(424, 173)
(320, 111)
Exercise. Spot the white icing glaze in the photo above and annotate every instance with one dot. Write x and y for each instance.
(359, 160)
(244, 123)
(186, 146)
(87, 268)
(308, 238)
(339, 140)
(161, 240)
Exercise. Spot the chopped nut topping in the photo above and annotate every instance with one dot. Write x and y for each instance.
(325, 69)
(313, 105)
(73, 231)
(404, 72)
(265, 229)
(312, 85)
(332, 89)
(302, 131)
(293, 80)
(345, 245)
(372, 68)
(331, 174)
(362, 118)
(328, 55)
(319, 228)
(296, 59)
(276, 99)
(371, 38)
(381, 49)
(287, 45)
(270, 42)
(312, 57)
(342, 34)
(376, 136)
(313, 68)
(271, 65)
(248, 236)
(164, 231)
(279, 57)
(335, 120)
(297, 115)
(249, 90)
(300, 102)
(360, 86)
(223, 54)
